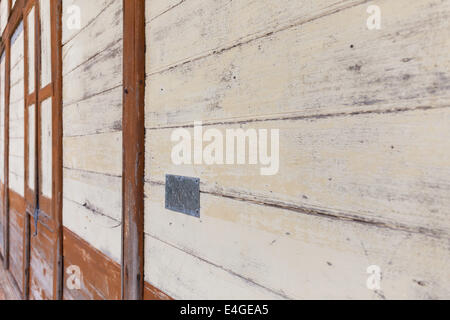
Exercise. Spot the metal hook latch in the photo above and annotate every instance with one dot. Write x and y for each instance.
(36, 220)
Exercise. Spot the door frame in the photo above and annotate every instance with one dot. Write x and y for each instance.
(53, 91)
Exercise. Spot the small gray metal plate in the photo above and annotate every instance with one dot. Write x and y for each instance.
(183, 195)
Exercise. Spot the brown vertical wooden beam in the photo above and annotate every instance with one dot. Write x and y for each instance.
(6, 151)
(2, 187)
(133, 150)
(56, 28)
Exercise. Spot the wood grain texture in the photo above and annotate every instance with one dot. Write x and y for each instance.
(46, 145)
(152, 293)
(41, 263)
(363, 119)
(376, 168)
(92, 114)
(329, 65)
(16, 231)
(16, 116)
(268, 252)
(100, 276)
(133, 150)
(2, 116)
(8, 289)
(90, 11)
(211, 26)
(4, 13)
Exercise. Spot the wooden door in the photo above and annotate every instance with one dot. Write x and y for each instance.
(3, 227)
(15, 203)
(43, 149)
(2, 155)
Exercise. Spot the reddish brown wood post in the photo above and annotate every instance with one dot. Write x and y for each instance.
(6, 150)
(57, 120)
(133, 150)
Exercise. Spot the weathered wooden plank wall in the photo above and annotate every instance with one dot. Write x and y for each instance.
(16, 154)
(364, 172)
(4, 13)
(2, 151)
(92, 143)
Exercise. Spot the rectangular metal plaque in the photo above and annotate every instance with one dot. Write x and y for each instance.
(183, 195)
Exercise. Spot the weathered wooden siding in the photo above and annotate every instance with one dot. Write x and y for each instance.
(4, 13)
(92, 143)
(364, 170)
(17, 115)
(16, 154)
(2, 150)
(41, 263)
(100, 277)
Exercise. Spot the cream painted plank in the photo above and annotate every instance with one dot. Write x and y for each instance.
(101, 153)
(311, 69)
(16, 115)
(31, 147)
(88, 11)
(17, 93)
(16, 102)
(196, 28)
(17, 73)
(16, 161)
(31, 46)
(17, 46)
(2, 114)
(17, 183)
(106, 29)
(4, 12)
(98, 192)
(391, 168)
(16, 128)
(183, 276)
(156, 8)
(46, 144)
(300, 256)
(100, 231)
(46, 43)
(99, 114)
(96, 76)
(16, 111)
(17, 147)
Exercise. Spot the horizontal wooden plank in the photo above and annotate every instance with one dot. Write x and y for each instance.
(99, 114)
(17, 72)
(100, 74)
(184, 276)
(156, 8)
(152, 293)
(100, 193)
(16, 129)
(100, 231)
(16, 225)
(89, 11)
(17, 51)
(390, 168)
(197, 28)
(101, 34)
(41, 263)
(293, 254)
(16, 182)
(100, 276)
(330, 65)
(100, 153)
(16, 98)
